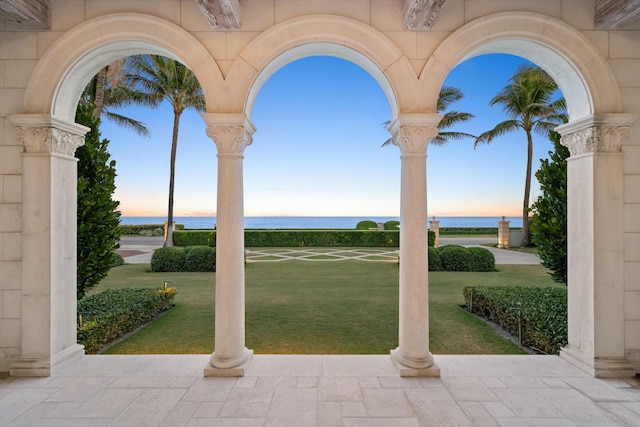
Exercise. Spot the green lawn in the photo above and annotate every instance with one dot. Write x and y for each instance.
(347, 307)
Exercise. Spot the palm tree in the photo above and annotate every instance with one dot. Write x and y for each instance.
(529, 103)
(447, 96)
(163, 79)
(106, 91)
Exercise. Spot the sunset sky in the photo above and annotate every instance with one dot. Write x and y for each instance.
(317, 150)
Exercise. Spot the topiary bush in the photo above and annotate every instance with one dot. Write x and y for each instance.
(116, 259)
(367, 225)
(435, 263)
(168, 259)
(431, 238)
(455, 258)
(481, 259)
(200, 258)
(392, 225)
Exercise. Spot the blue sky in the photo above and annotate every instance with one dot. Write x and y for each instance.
(316, 151)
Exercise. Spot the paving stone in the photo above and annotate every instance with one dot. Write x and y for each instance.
(247, 403)
(293, 407)
(436, 407)
(339, 389)
(386, 402)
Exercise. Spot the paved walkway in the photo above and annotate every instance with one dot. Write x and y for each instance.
(300, 391)
(138, 250)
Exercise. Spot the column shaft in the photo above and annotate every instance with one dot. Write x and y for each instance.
(49, 241)
(595, 250)
(412, 134)
(231, 135)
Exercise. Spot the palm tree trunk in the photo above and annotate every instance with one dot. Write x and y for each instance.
(527, 190)
(174, 145)
(101, 83)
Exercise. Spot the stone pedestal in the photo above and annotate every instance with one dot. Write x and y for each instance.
(412, 134)
(595, 247)
(434, 226)
(49, 240)
(231, 134)
(503, 233)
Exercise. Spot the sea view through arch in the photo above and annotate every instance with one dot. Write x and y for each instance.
(328, 222)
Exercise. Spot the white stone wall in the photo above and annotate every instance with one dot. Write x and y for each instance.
(20, 51)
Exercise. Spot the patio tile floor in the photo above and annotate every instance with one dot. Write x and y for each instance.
(335, 390)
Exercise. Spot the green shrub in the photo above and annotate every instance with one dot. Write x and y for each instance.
(113, 313)
(481, 259)
(145, 229)
(199, 258)
(168, 259)
(468, 230)
(392, 225)
(455, 258)
(194, 238)
(435, 263)
(540, 314)
(367, 225)
(116, 259)
(431, 238)
(320, 238)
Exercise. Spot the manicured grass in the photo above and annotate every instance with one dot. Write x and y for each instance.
(347, 307)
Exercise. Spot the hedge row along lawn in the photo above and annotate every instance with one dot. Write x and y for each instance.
(345, 307)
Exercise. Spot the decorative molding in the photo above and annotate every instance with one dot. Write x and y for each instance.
(230, 139)
(596, 139)
(420, 14)
(414, 140)
(28, 14)
(49, 140)
(221, 14)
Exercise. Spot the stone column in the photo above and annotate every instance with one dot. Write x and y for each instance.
(49, 241)
(434, 225)
(231, 134)
(412, 133)
(503, 233)
(595, 244)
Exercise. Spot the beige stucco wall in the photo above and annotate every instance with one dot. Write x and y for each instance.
(410, 65)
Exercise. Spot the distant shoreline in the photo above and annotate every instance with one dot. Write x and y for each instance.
(319, 222)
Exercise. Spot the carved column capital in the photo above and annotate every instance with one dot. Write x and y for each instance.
(49, 140)
(596, 139)
(413, 140)
(598, 133)
(230, 139)
(412, 132)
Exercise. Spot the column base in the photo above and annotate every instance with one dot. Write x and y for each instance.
(44, 367)
(423, 368)
(598, 367)
(230, 367)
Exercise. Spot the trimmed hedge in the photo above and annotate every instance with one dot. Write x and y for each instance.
(459, 258)
(468, 230)
(481, 259)
(113, 313)
(392, 225)
(145, 229)
(298, 238)
(194, 238)
(367, 225)
(435, 263)
(540, 314)
(455, 258)
(199, 258)
(168, 259)
(188, 259)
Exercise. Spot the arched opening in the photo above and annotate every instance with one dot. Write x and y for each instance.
(316, 156)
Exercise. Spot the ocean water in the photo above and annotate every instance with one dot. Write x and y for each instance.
(293, 222)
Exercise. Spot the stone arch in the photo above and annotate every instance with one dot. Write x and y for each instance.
(323, 35)
(582, 74)
(61, 74)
